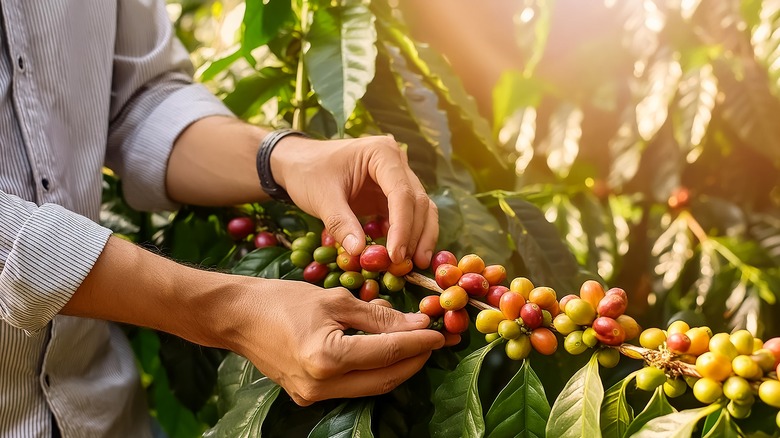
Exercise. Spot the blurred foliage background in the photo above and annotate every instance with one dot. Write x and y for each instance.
(646, 131)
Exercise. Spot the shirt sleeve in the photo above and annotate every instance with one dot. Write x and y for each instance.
(45, 254)
(153, 100)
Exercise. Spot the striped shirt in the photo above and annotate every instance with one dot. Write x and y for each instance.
(82, 84)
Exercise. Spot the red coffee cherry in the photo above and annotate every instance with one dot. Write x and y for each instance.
(475, 284)
(443, 257)
(456, 321)
(239, 228)
(265, 239)
(447, 275)
(494, 295)
(375, 258)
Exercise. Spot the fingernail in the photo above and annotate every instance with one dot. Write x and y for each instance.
(350, 244)
(402, 252)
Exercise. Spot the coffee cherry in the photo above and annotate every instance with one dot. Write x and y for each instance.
(649, 378)
(769, 392)
(494, 294)
(494, 274)
(307, 243)
(471, 263)
(521, 285)
(592, 292)
(543, 296)
(370, 290)
(509, 329)
(264, 239)
(487, 320)
(331, 280)
(325, 254)
(764, 359)
(333, 267)
(401, 268)
(678, 327)
(447, 275)
(454, 298)
(315, 272)
(714, 366)
(738, 411)
(573, 344)
(373, 229)
(373, 275)
(674, 387)
(738, 389)
(351, 280)
(491, 337)
(757, 344)
(441, 258)
(456, 321)
(239, 228)
(564, 325)
(532, 315)
(300, 258)
(544, 341)
(510, 304)
(630, 326)
(431, 306)
(564, 300)
(744, 366)
(608, 357)
(617, 291)
(608, 331)
(392, 283)
(707, 390)
(518, 349)
(546, 318)
(678, 342)
(652, 338)
(721, 343)
(580, 311)
(700, 340)
(743, 341)
(611, 306)
(589, 337)
(475, 284)
(327, 239)
(773, 345)
(348, 262)
(375, 258)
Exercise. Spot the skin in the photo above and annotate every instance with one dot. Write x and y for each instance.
(292, 331)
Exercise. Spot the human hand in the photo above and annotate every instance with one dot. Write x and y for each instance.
(294, 333)
(338, 179)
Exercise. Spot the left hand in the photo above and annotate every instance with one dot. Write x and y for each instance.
(336, 180)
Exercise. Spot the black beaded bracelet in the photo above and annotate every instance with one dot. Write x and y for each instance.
(267, 181)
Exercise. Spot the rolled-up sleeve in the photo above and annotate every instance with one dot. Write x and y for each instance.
(45, 254)
(153, 101)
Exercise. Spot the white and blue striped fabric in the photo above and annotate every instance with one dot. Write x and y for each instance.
(82, 84)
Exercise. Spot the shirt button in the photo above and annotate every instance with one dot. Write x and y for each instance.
(45, 184)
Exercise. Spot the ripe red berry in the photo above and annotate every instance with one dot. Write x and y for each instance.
(370, 290)
(431, 306)
(373, 229)
(375, 258)
(447, 275)
(315, 272)
(240, 227)
(456, 321)
(532, 316)
(475, 284)
(493, 296)
(608, 331)
(443, 257)
(265, 239)
(327, 239)
(678, 342)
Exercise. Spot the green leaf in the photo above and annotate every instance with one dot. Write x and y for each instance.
(675, 425)
(234, 373)
(191, 370)
(450, 219)
(562, 143)
(625, 149)
(616, 413)
(262, 21)
(577, 408)
(696, 99)
(672, 250)
(256, 261)
(538, 243)
(658, 87)
(246, 417)
(480, 232)
(341, 56)
(199, 239)
(658, 406)
(458, 411)
(220, 65)
(255, 90)
(350, 419)
(521, 408)
(719, 425)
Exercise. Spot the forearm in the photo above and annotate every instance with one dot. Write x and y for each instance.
(131, 285)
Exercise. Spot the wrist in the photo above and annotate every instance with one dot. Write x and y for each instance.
(287, 158)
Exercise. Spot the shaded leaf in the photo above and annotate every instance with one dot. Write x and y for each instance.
(457, 409)
(219, 65)
(625, 149)
(341, 56)
(262, 21)
(517, 136)
(235, 372)
(675, 425)
(562, 143)
(658, 406)
(696, 99)
(657, 88)
(255, 90)
(616, 413)
(256, 261)
(766, 40)
(521, 408)
(247, 415)
(350, 419)
(672, 250)
(538, 243)
(720, 426)
(577, 408)
(191, 370)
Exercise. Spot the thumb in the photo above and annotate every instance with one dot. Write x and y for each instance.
(342, 224)
(379, 319)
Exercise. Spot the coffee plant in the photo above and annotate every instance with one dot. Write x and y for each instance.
(630, 178)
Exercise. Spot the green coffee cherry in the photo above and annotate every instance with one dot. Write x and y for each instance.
(331, 280)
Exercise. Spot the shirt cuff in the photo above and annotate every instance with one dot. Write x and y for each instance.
(143, 182)
(52, 254)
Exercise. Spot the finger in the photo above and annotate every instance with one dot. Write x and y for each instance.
(389, 171)
(451, 339)
(421, 204)
(367, 352)
(364, 383)
(342, 224)
(430, 233)
(381, 302)
(371, 318)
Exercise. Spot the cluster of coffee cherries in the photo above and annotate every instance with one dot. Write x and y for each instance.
(244, 228)
(737, 366)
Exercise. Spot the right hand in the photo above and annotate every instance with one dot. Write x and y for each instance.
(294, 334)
